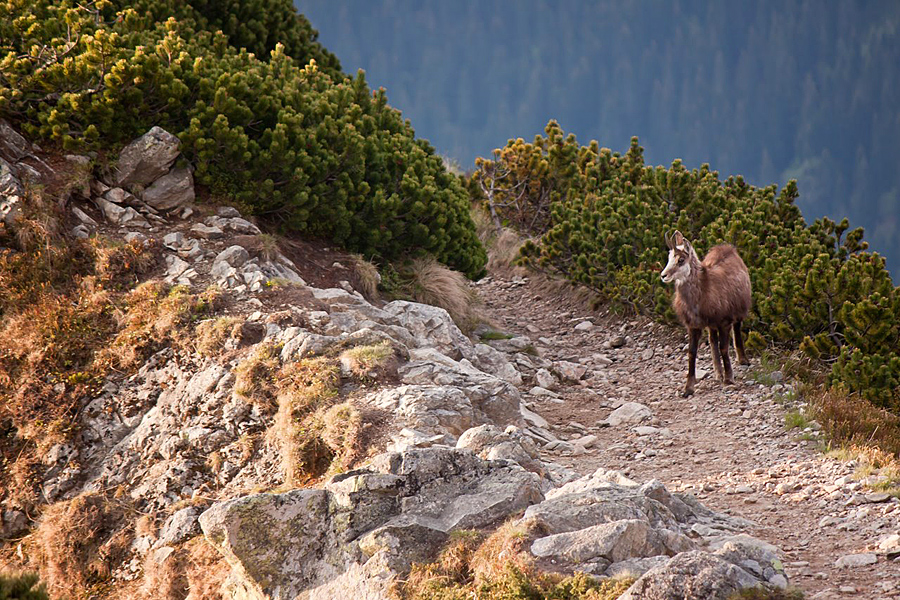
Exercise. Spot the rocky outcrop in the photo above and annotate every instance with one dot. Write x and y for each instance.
(365, 527)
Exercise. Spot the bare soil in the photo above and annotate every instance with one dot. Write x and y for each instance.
(728, 446)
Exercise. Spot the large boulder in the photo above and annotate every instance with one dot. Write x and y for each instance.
(355, 537)
(691, 575)
(171, 191)
(146, 159)
(495, 401)
(432, 327)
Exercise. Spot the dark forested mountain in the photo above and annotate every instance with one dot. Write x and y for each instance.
(773, 90)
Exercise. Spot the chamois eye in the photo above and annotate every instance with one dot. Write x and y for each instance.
(681, 261)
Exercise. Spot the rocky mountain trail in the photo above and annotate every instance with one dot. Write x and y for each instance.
(728, 447)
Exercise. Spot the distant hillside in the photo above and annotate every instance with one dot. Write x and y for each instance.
(773, 90)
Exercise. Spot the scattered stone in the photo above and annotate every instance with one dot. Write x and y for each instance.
(617, 342)
(856, 560)
(584, 326)
(206, 232)
(234, 256)
(545, 379)
(630, 412)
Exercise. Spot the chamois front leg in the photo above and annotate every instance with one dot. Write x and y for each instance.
(724, 338)
(692, 362)
(739, 344)
(714, 347)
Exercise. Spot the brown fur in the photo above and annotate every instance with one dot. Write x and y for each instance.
(716, 295)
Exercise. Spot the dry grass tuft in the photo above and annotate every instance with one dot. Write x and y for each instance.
(851, 420)
(307, 388)
(375, 362)
(342, 432)
(195, 571)
(78, 542)
(255, 378)
(499, 567)
(212, 334)
(365, 277)
(503, 252)
(429, 282)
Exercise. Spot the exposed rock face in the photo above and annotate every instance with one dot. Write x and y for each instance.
(146, 159)
(366, 526)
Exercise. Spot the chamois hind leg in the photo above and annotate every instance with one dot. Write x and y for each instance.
(739, 344)
(714, 347)
(724, 339)
(692, 362)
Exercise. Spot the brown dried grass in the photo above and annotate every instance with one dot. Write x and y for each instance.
(195, 571)
(365, 277)
(306, 389)
(430, 282)
(78, 542)
(255, 378)
(851, 420)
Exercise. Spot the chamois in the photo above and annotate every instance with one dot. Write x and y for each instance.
(714, 293)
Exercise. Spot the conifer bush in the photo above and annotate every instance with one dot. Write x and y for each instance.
(815, 287)
(264, 114)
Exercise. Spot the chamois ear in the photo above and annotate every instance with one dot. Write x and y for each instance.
(678, 240)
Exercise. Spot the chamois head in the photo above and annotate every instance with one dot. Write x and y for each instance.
(682, 259)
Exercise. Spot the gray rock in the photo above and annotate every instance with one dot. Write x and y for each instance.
(495, 362)
(119, 215)
(856, 560)
(545, 379)
(227, 212)
(433, 410)
(81, 231)
(495, 400)
(179, 527)
(13, 146)
(171, 191)
(615, 541)
(207, 232)
(83, 217)
(630, 412)
(584, 326)
(235, 256)
(635, 567)
(12, 523)
(145, 159)
(569, 370)
(274, 542)
(432, 327)
(365, 528)
(692, 574)
(532, 418)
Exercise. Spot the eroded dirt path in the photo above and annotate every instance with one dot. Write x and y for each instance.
(728, 447)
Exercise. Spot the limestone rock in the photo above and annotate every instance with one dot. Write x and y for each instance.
(615, 541)
(495, 400)
(146, 159)
(432, 327)
(495, 362)
(692, 574)
(235, 256)
(366, 527)
(630, 412)
(171, 191)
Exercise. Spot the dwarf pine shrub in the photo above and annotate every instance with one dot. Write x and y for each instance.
(601, 217)
(264, 114)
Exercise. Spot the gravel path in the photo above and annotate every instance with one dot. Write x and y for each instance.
(727, 446)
